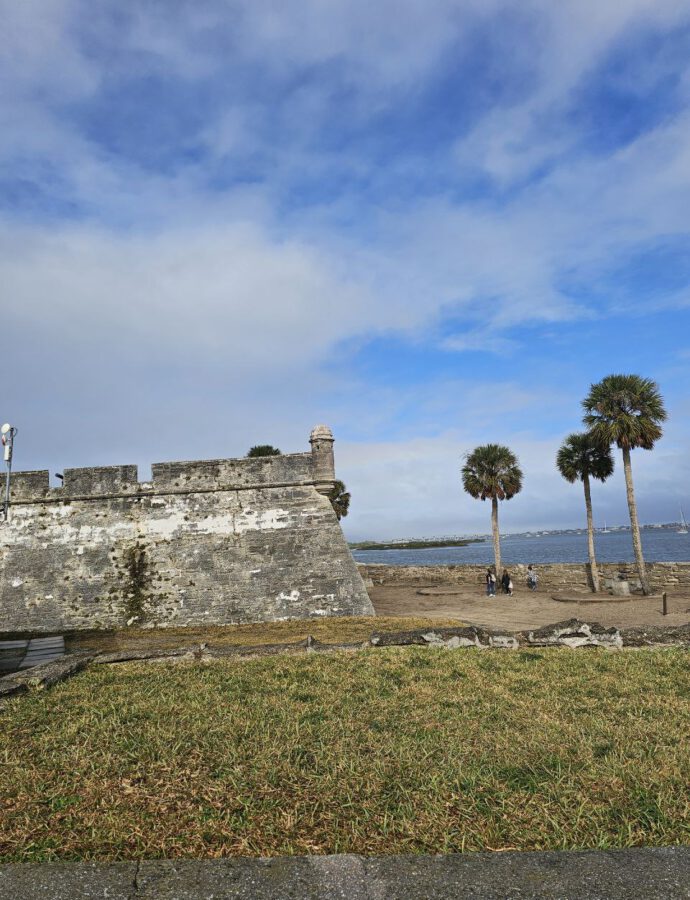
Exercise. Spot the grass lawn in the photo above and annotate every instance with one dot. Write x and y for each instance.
(375, 752)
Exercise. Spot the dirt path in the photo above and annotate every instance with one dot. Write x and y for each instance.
(525, 609)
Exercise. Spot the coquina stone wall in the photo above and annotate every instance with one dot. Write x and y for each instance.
(209, 542)
(556, 577)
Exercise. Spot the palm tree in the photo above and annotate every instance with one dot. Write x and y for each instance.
(627, 410)
(340, 499)
(580, 458)
(492, 471)
(263, 450)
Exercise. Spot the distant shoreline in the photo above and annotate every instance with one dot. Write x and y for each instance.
(414, 545)
(431, 543)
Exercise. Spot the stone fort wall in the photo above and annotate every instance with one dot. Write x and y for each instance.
(207, 542)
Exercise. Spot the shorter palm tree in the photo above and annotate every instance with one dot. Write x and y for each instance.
(492, 472)
(340, 499)
(627, 410)
(580, 458)
(263, 450)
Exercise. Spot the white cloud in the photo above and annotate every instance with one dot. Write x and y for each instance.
(230, 291)
(512, 144)
(38, 43)
(413, 488)
(172, 298)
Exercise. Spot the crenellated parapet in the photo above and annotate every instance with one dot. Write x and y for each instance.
(233, 474)
(315, 468)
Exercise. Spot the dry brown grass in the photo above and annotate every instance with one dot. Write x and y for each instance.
(330, 630)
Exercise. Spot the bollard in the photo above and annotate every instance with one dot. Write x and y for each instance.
(664, 607)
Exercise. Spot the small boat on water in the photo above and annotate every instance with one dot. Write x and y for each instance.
(683, 524)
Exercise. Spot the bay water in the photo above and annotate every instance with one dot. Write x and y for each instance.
(658, 544)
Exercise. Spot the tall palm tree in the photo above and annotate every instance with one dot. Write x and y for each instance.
(627, 410)
(580, 458)
(492, 471)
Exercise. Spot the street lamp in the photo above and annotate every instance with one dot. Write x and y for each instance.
(8, 433)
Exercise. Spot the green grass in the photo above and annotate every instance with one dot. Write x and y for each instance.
(375, 752)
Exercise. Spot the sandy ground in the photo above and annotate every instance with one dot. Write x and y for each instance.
(524, 609)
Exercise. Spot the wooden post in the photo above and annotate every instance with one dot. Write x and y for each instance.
(664, 607)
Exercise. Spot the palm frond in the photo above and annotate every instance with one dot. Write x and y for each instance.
(581, 454)
(626, 410)
(491, 471)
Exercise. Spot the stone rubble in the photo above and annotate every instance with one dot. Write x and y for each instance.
(572, 634)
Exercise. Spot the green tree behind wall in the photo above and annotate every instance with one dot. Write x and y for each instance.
(263, 450)
(340, 499)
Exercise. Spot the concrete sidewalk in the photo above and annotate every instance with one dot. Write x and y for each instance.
(652, 874)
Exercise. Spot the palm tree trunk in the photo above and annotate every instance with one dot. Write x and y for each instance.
(593, 572)
(634, 524)
(497, 537)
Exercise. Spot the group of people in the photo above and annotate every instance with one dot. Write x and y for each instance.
(507, 582)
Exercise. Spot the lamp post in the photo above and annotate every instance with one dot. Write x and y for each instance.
(8, 433)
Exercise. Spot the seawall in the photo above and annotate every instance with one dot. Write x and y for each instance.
(555, 576)
(204, 542)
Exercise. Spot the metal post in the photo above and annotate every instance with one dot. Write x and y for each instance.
(664, 607)
(8, 435)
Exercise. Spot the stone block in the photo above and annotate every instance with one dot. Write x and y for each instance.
(619, 588)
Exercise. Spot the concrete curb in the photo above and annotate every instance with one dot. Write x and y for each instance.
(649, 873)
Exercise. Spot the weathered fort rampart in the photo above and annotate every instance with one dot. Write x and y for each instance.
(209, 542)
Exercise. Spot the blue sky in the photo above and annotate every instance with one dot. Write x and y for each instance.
(427, 225)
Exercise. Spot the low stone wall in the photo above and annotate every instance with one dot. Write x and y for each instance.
(557, 576)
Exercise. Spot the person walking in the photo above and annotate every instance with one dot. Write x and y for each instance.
(506, 583)
(490, 583)
(532, 578)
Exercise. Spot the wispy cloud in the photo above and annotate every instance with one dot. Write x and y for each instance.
(372, 214)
